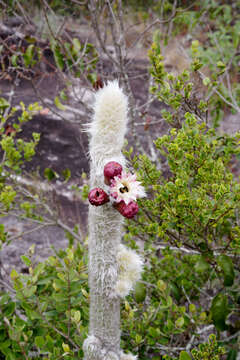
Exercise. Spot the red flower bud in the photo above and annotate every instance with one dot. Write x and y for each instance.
(127, 210)
(111, 169)
(97, 197)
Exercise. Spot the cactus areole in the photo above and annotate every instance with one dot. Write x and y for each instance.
(107, 132)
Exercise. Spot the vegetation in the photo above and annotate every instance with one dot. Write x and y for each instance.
(187, 229)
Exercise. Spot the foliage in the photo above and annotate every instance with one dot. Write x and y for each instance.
(206, 351)
(46, 315)
(15, 151)
(189, 225)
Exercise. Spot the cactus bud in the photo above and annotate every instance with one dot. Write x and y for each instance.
(97, 197)
(127, 210)
(111, 169)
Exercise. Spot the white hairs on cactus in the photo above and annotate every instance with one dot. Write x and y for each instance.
(128, 357)
(109, 126)
(107, 132)
(129, 260)
(130, 267)
(92, 346)
(123, 287)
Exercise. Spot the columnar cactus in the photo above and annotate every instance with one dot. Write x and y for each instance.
(107, 132)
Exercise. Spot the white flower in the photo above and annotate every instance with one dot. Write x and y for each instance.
(125, 187)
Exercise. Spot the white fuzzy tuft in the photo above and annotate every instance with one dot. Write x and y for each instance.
(128, 356)
(129, 260)
(108, 126)
(111, 356)
(123, 287)
(130, 267)
(92, 346)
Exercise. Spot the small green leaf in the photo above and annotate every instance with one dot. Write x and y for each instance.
(192, 308)
(179, 322)
(66, 347)
(58, 56)
(9, 309)
(58, 104)
(219, 311)
(140, 292)
(221, 65)
(175, 291)
(4, 104)
(14, 59)
(226, 265)
(39, 341)
(76, 45)
(161, 285)
(184, 356)
(26, 260)
(201, 265)
(29, 56)
(29, 291)
(232, 355)
(66, 174)
(14, 275)
(49, 174)
(206, 81)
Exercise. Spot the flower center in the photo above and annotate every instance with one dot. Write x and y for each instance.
(123, 189)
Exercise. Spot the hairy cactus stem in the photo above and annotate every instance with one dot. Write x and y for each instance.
(107, 132)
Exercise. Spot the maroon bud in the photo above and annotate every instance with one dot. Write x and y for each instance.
(127, 210)
(97, 197)
(111, 169)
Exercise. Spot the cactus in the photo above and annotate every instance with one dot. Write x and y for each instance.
(107, 132)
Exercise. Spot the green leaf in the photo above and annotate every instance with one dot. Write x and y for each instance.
(29, 291)
(232, 355)
(4, 104)
(201, 265)
(140, 292)
(184, 356)
(175, 291)
(66, 347)
(76, 45)
(14, 59)
(58, 104)
(225, 262)
(179, 322)
(221, 65)
(49, 174)
(9, 309)
(66, 174)
(28, 56)
(14, 275)
(219, 311)
(58, 56)
(39, 341)
(161, 285)
(4, 299)
(26, 260)
(206, 81)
